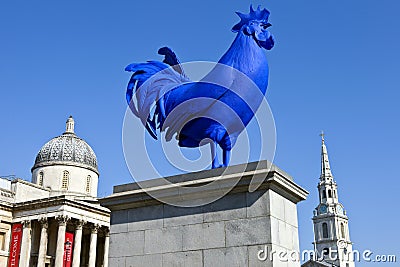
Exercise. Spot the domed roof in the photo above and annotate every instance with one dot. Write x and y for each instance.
(67, 149)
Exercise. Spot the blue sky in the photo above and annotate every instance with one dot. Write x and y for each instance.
(335, 66)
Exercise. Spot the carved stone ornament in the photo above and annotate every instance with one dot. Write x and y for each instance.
(44, 223)
(62, 219)
(106, 231)
(95, 228)
(79, 224)
(26, 223)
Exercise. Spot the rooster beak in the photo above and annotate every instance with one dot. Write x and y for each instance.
(268, 25)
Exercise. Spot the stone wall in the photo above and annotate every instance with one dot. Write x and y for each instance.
(228, 232)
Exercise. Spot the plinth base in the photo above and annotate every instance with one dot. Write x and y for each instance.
(240, 229)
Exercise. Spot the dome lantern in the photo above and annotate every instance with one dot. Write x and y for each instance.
(70, 125)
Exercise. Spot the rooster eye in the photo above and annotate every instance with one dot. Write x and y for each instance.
(265, 25)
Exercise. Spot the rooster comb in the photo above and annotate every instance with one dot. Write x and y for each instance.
(261, 15)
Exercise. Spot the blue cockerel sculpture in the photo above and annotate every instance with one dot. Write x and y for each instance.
(217, 108)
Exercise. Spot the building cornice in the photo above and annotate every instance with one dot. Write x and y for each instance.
(58, 201)
(6, 206)
(64, 163)
(30, 184)
(235, 179)
(329, 215)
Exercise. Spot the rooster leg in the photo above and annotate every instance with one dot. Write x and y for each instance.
(227, 157)
(162, 111)
(214, 156)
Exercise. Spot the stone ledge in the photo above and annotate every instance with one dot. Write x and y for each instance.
(235, 169)
(210, 183)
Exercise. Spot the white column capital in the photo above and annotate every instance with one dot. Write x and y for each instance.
(26, 223)
(62, 219)
(106, 231)
(79, 224)
(44, 223)
(95, 228)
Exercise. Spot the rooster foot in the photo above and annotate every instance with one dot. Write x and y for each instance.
(226, 156)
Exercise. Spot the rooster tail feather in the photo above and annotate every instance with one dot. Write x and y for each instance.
(151, 128)
(145, 92)
(171, 59)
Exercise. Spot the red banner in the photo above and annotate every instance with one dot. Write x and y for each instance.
(69, 242)
(15, 245)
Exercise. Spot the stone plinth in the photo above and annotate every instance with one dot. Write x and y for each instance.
(230, 231)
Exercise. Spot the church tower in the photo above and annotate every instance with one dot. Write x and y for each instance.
(331, 229)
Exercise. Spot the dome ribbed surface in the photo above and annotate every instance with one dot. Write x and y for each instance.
(67, 149)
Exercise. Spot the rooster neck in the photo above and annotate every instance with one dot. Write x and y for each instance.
(246, 56)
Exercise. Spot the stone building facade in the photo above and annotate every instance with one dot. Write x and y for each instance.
(55, 220)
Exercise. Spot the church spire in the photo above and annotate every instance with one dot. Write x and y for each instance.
(326, 173)
(331, 229)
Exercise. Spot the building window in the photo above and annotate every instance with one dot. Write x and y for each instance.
(40, 182)
(65, 180)
(88, 182)
(323, 194)
(329, 193)
(2, 241)
(325, 230)
(342, 230)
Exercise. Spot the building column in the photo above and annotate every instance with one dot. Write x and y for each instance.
(25, 254)
(76, 257)
(43, 241)
(106, 246)
(62, 227)
(93, 245)
(8, 239)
